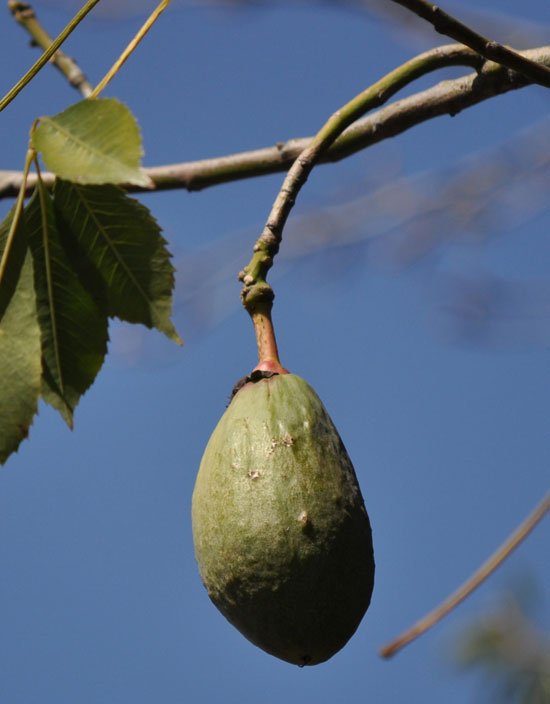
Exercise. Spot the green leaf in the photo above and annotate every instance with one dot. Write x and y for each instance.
(73, 329)
(119, 252)
(20, 366)
(92, 142)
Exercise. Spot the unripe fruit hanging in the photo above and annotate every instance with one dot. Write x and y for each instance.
(282, 538)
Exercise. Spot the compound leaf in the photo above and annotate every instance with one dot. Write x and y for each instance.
(20, 365)
(119, 252)
(73, 329)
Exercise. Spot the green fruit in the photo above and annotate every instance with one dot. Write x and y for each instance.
(282, 538)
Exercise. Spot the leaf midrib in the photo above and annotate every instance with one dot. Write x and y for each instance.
(94, 151)
(113, 249)
(49, 283)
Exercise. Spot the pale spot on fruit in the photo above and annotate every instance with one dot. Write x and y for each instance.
(287, 441)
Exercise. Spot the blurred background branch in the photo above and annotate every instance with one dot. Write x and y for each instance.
(511, 653)
(509, 28)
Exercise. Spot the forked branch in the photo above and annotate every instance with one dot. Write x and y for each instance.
(256, 294)
(255, 289)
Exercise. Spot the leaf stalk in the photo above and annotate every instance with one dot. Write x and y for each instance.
(18, 209)
(24, 14)
(47, 55)
(129, 49)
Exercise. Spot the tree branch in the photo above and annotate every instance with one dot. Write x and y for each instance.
(492, 50)
(255, 290)
(479, 576)
(445, 98)
(256, 294)
(24, 14)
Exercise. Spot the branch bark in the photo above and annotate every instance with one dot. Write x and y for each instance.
(445, 98)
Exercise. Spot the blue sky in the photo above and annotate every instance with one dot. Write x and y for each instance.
(445, 417)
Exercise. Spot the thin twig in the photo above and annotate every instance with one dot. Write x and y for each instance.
(47, 55)
(130, 48)
(446, 98)
(24, 14)
(448, 25)
(479, 576)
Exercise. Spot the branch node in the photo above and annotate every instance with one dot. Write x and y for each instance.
(268, 237)
(255, 295)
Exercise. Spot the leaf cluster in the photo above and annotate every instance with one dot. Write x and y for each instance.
(72, 259)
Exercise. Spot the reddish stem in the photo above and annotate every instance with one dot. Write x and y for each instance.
(268, 355)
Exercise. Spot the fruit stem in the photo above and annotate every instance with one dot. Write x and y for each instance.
(268, 355)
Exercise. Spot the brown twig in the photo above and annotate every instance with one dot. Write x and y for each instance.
(24, 14)
(490, 49)
(445, 98)
(479, 576)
